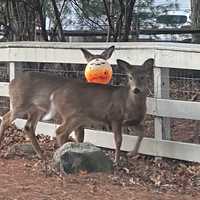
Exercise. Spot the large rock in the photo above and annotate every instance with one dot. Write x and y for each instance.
(24, 150)
(75, 157)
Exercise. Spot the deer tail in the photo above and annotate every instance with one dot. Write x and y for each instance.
(51, 112)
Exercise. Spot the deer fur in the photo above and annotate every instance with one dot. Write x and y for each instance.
(30, 96)
(80, 103)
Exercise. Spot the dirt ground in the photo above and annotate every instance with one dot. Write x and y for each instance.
(141, 178)
(19, 181)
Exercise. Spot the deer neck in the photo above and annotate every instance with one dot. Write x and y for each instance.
(135, 108)
(139, 98)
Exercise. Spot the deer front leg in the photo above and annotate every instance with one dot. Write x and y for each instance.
(60, 136)
(140, 132)
(116, 128)
(66, 128)
(79, 134)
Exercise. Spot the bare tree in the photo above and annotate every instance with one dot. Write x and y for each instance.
(39, 7)
(120, 18)
(58, 20)
(21, 17)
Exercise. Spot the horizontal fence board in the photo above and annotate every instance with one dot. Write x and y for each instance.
(42, 127)
(4, 89)
(170, 55)
(134, 56)
(149, 146)
(156, 107)
(70, 52)
(101, 45)
(173, 108)
(177, 59)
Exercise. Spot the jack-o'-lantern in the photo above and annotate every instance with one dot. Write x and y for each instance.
(98, 71)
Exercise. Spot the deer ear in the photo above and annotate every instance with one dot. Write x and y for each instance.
(148, 64)
(88, 56)
(125, 65)
(106, 54)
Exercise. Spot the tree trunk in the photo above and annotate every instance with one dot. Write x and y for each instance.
(128, 19)
(195, 6)
(42, 20)
(108, 10)
(58, 20)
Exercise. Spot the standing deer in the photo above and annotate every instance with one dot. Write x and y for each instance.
(79, 104)
(30, 97)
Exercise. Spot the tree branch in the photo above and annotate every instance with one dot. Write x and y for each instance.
(42, 20)
(58, 20)
(129, 18)
(85, 15)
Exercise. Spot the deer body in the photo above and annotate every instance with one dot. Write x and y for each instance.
(101, 103)
(32, 88)
(30, 97)
(79, 104)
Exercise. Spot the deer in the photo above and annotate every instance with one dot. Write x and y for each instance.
(30, 97)
(78, 104)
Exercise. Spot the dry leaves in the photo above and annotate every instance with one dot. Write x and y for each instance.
(162, 175)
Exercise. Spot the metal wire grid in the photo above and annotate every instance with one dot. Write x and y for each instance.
(183, 85)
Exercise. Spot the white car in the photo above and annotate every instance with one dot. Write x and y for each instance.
(174, 19)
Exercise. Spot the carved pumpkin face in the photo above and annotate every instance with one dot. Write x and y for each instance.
(98, 71)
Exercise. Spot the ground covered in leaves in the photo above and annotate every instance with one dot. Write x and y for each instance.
(141, 178)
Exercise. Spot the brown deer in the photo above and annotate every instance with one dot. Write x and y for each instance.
(80, 103)
(30, 97)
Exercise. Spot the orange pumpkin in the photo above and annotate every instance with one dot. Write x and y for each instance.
(98, 71)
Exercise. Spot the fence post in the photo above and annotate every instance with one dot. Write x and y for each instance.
(12, 71)
(161, 90)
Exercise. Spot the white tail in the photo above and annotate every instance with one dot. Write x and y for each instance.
(52, 111)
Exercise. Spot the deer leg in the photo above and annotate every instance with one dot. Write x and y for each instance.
(140, 132)
(5, 123)
(61, 139)
(116, 128)
(79, 134)
(65, 129)
(29, 129)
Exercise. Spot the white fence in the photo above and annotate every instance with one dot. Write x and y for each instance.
(166, 55)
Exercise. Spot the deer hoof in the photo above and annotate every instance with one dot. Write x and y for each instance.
(116, 162)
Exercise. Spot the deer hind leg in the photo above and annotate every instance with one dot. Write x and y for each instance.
(66, 128)
(29, 130)
(140, 132)
(5, 123)
(79, 134)
(116, 128)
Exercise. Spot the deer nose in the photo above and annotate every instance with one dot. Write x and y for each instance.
(136, 90)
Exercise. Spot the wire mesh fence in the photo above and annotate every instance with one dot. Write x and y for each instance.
(183, 85)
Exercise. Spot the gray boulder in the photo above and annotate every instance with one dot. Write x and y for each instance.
(22, 150)
(75, 157)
